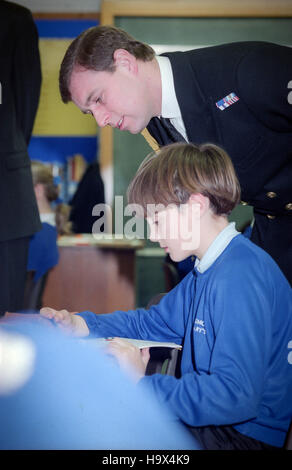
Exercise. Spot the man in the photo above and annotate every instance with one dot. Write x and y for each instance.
(234, 95)
(20, 80)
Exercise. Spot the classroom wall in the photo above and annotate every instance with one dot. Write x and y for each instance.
(62, 136)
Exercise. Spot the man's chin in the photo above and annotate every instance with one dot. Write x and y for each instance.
(136, 130)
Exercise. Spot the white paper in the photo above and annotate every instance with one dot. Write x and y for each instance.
(139, 343)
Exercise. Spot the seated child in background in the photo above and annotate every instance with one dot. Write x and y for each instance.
(231, 314)
(43, 250)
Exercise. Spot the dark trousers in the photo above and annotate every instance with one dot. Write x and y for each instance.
(275, 237)
(13, 264)
(226, 438)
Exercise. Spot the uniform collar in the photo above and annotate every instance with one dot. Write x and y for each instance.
(217, 247)
(169, 106)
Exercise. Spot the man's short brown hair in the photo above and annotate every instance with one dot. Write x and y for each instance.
(94, 50)
(179, 170)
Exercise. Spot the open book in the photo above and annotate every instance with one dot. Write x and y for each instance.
(139, 343)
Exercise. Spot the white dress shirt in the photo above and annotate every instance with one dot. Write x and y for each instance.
(170, 107)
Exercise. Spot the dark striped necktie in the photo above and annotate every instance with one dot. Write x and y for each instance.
(171, 130)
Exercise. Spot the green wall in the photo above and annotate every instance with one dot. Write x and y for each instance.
(207, 31)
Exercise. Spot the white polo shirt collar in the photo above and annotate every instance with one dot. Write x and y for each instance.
(217, 247)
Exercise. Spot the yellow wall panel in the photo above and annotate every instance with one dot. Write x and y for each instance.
(54, 118)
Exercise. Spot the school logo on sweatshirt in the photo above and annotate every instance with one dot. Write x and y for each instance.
(227, 101)
(200, 326)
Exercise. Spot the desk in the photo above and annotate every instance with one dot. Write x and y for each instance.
(93, 274)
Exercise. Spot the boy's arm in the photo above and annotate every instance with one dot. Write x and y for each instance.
(162, 322)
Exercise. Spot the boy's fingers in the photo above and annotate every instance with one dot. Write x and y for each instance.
(145, 354)
(64, 316)
(47, 312)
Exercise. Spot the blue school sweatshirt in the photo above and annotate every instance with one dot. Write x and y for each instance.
(234, 321)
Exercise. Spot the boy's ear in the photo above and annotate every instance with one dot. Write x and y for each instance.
(39, 190)
(125, 59)
(201, 200)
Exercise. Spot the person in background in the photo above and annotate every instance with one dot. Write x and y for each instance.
(20, 82)
(232, 313)
(43, 251)
(233, 95)
(89, 192)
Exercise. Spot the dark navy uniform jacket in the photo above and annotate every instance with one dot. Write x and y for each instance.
(255, 130)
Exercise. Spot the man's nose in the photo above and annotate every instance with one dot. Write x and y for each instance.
(102, 117)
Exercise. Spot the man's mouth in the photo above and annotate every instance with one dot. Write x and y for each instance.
(120, 123)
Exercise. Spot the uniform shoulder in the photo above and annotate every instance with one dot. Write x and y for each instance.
(242, 257)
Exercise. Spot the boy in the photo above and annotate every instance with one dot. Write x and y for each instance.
(232, 313)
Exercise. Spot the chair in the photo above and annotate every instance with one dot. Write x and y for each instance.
(288, 441)
(34, 291)
(171, 275)
(162, 360)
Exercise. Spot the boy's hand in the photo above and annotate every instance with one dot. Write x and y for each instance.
(72, 324)
(130, 358)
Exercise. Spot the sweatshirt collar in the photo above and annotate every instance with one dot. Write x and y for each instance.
(49, 218)
(217, 247)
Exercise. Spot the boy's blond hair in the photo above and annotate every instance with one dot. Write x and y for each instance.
(179, 170)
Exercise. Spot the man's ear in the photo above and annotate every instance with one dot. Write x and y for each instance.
(201, 200)
(125, 59)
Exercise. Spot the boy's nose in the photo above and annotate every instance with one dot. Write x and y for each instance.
(153, 236)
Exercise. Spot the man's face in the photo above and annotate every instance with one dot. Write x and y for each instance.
(117, 99)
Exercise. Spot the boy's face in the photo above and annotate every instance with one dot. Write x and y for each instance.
(177, 230)
(116, 99)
